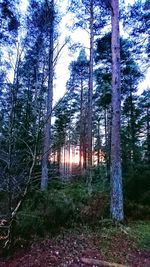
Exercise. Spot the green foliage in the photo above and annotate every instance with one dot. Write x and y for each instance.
(137, 193)
(141, 232)
(50, 210)
(3, 202)
(134, 211)
(100, 182)
(96, 209)
(137, 184)
(61, 206)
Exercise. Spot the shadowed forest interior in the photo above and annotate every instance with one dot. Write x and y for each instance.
(75, 130)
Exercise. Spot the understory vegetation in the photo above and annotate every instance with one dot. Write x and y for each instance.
(70, 204)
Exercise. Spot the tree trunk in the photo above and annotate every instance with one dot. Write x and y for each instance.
(107, 120)
(90, 92)
(84, 145)
(148, 135)
(81, 126)
(47, 132)
(59, 157)
(108, 141)
(133, 131)
(101, 263)
(99, 143)
(116, 170)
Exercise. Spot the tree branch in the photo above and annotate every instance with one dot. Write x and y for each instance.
(90, 261)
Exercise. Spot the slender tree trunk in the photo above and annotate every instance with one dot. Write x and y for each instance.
(59, 157)
(132, 127)
(12, 120)
(64, 159)
(116, 170)
(69, 156)
(10, 148)
(90, 92)
(84, 145)
(81, 126)
(108, 141)
(47, 132)
(99, 143)
(36, 90)
(148, 136)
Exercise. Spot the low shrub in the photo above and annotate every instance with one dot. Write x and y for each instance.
(96, 209)
(142, 233)
(61, 206)
(134, 211)
(52, 209)
(137, 185)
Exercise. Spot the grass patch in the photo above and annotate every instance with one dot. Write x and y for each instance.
(141, 232)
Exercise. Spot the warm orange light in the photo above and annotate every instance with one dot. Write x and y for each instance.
(70, 155)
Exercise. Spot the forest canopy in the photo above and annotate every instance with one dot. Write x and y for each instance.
(90, 147)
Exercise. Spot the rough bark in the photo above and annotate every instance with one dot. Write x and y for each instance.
(47, 131)
(116, 170)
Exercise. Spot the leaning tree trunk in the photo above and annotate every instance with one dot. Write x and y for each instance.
(116, 170)
(47, 132)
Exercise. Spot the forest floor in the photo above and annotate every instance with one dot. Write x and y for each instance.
(128, 245)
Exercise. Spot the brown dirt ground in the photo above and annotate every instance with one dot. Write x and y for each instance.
(67, 249)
